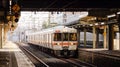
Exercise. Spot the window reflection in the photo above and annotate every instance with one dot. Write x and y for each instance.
(73, 37)
(57, 37)
(65, 36)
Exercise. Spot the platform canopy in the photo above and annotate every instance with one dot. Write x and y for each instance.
(95, 7)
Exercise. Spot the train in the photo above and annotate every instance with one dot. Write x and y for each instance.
(60, 41)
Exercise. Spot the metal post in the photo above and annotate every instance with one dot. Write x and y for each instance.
(84, 37)
(5, 32)
(97, 37)
(49, 20)
(111, 37)
(104, 34)
(1, 35)
(94, 37)
(118, 21)
(19, 36)
(119, 35)
(78, 36)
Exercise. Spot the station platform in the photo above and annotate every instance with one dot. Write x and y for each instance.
(100, 57)
(115, 53)
(12, 56)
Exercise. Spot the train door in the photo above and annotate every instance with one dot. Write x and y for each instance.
(65, 43)
(65, 40)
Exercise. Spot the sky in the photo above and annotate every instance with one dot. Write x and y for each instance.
(33, 20)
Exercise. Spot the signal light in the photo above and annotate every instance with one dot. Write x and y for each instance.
(16, 20)
(16, 14)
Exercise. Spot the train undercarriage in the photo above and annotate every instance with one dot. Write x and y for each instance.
(59, 53)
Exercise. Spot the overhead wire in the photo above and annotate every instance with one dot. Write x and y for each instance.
(51, 4)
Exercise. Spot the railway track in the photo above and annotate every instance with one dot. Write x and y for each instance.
(36, 61)
(49, 61)
(78, 63)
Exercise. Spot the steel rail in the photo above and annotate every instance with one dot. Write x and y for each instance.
(35, 56)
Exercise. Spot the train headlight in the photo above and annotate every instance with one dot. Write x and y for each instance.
(74, 43)
(57, 43)
(71, 43)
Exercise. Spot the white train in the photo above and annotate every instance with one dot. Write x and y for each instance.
(59, 40)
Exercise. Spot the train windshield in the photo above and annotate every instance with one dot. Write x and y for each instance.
(72, 37)
(65, 37)
(57, 37)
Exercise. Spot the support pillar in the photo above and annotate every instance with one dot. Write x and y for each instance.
(19, 37)
(85, 37)
(111, 37)
(118, 21)
(97, 37)
(1, 35)
(104, 34)
(78, 37)
(6, 29)
(94, 37)
(119, 35)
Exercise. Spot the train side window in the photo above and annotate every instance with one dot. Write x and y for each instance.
(57, 37)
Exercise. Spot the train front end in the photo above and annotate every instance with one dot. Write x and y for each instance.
(65, 42)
